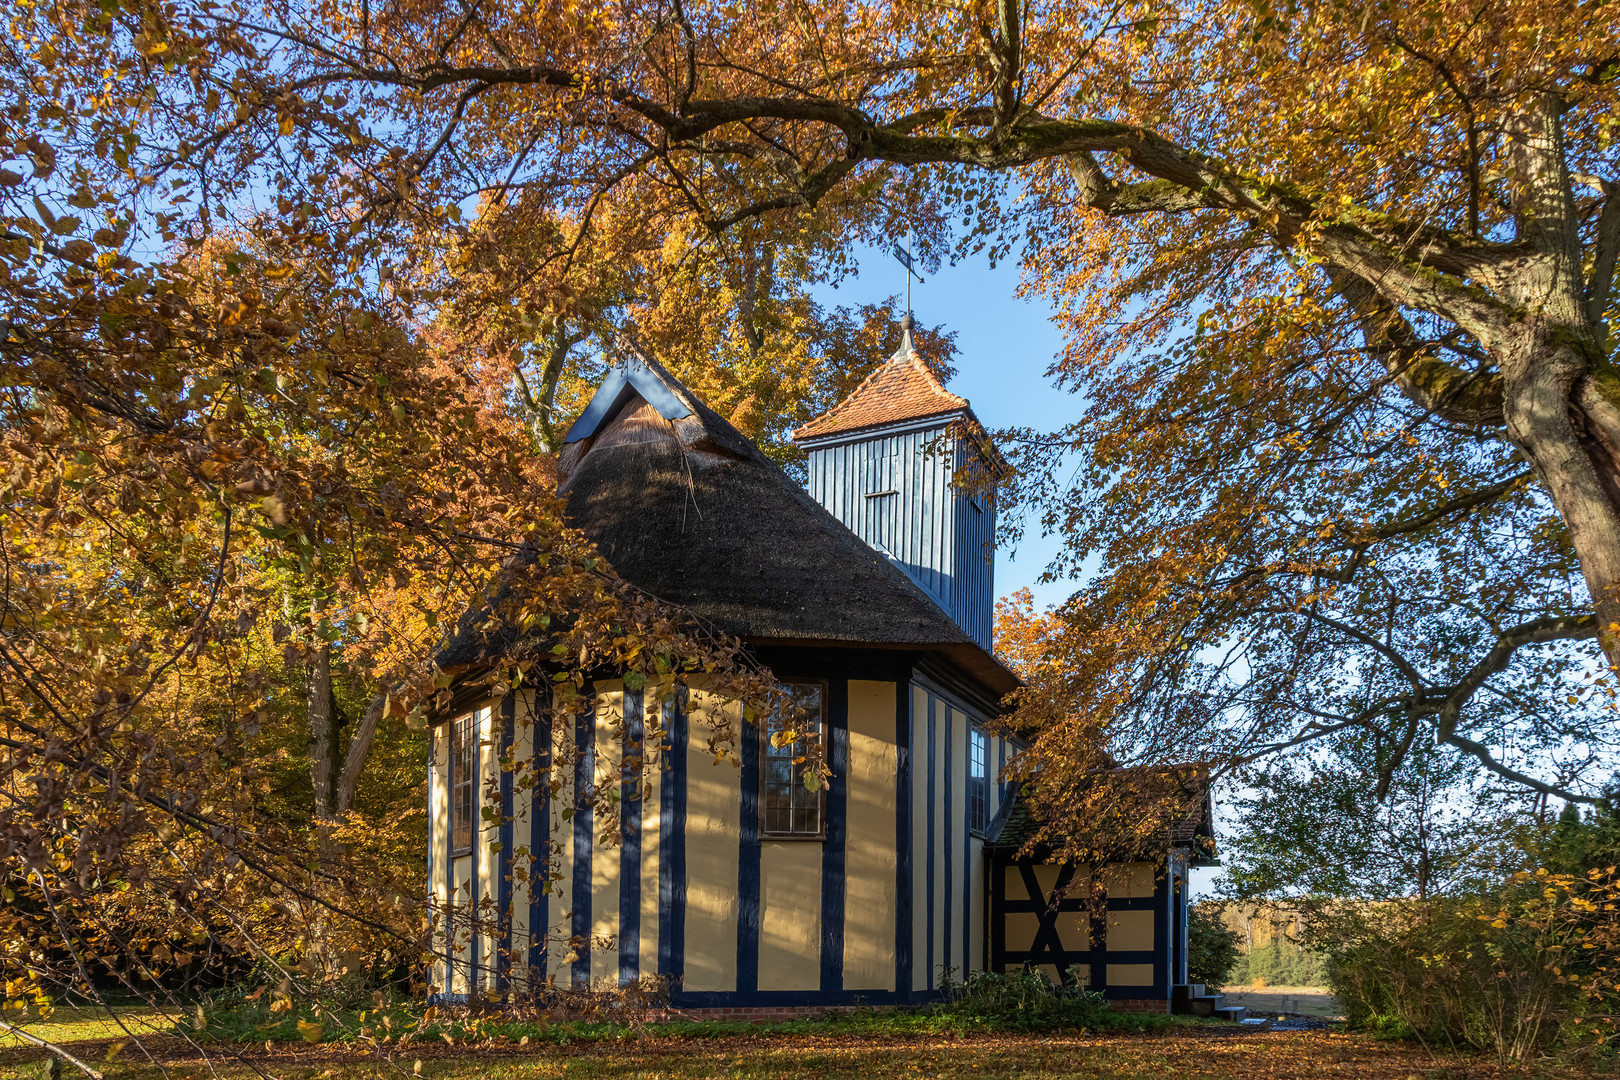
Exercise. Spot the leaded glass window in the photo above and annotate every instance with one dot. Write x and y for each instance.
(463, 781)
(978, 780)
(788, 806)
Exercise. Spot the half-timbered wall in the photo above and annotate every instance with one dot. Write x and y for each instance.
(948, 886)
(686, 888)
(1133, 946)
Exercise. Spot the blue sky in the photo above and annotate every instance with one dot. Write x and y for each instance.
(1006, 346)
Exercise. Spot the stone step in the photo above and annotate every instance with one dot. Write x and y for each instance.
(1205, 1004)
(1255, 1023)
(1231, 1012)
(1184, 992)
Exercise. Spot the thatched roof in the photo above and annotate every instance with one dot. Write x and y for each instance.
(685, 507)
(1015, 823)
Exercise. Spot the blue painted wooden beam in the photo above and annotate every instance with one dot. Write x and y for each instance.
(833, 856)
(630, 795)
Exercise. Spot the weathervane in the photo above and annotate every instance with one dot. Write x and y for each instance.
(905, 260)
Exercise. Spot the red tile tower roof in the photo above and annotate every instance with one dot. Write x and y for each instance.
(902, 389)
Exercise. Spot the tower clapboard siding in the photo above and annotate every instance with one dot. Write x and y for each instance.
(902, 462)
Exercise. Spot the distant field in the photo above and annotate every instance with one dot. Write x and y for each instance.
(1278, 1000)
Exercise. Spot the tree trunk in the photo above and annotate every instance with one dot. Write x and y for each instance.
(541, 405)
(1565, 425)
(323, 723)
(354, 760)
(1560, 402)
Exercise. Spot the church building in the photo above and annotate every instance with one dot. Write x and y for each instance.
(870, 598)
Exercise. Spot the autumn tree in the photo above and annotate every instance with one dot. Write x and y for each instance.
(244, 492)
(731, 315)
(1337, 281)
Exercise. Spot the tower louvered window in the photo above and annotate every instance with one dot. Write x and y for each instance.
(882, 502)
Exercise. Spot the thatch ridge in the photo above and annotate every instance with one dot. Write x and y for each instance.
(691, 511)
(704, 520)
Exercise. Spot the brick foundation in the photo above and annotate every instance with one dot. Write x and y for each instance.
(758, 1014)
(769, 1014)
(1140, 1005)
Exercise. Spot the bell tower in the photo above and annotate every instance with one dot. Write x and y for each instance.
(904, 463)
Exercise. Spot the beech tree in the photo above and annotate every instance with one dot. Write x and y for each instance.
(731, 316)
(236, 473)
(1337, 277)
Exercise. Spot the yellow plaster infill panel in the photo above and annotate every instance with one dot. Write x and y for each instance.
(992, 802)
(1130, 975)
(977, 955)
(1130, 930)
(651, 806)
(1074, 931)
(1129, 880)
(605, 849)
(461, 940)
(522, 805)
(919, 838)
(1021, 928)
(559, 947)
(1045, 875)
(713, 806)
(488, 836)
(790, 916)
(439, 826)
(869, 855)
(961, 867)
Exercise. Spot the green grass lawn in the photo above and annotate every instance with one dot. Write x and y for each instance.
(862, 1047)
(68, 1024)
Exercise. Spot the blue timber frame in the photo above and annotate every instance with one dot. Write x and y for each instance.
(630, 793)
(584, 774)
(748, 862)
(948, 885)
(540, 849)
(904, 927)
(1047, 946)
(833, 854)
(672, 845)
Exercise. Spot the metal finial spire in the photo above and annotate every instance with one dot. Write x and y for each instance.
(904, 258)
(907, 346)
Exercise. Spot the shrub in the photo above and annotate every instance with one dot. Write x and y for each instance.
(1521, 974)
(1212, 948)
(1023, 1000)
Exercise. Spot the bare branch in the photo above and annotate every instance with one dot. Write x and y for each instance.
(51, 1048)
(1555, 628)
